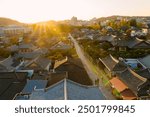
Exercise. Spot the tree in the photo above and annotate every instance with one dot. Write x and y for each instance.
(133, 22)
(128, 32)
(13, 40)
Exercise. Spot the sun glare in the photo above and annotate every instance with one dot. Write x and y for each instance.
(30, 11)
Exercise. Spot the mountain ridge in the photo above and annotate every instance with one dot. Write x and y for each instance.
(8, 21)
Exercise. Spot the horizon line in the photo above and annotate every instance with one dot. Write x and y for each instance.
(73, 16)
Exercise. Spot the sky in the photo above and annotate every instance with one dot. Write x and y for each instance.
(31, 11)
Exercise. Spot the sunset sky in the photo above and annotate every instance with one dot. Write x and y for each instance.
(30, 11)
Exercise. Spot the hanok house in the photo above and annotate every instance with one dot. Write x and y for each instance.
(30, 55)
(61, 46)
(107, 38)
(146, 74)
(9, 64)
(23, 48)
(111, 65)
(65, 90)
(11, 83)
(30, 86)
(38, 64)
(120, 90)
(129, 44)
(13, 48)
(139, 85)
(75, 69)
(145, 61)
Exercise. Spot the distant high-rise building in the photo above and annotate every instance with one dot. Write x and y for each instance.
(74, 19)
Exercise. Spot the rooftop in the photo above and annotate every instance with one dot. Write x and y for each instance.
(128, 95)
(69, 90)
(112, 64)
(34, 84)
(131, 79)
(10, 84)
(118, 85)
(145, 61)
(76, 71)
(132, 43)
(8, 64)
(27, 46)
(144, 73)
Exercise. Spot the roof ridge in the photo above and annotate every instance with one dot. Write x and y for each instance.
(65, 89)
(92, 86)
(137, 75)
(5, 59)
(114, 59)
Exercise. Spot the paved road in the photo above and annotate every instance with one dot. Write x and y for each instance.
(93, 76)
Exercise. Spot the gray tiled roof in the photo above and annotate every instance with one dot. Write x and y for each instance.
(81, 92)
(31, 84)
(75, 71)
(30, 55)
(22, 97)
(55, 92)
(131, 43)
(69, 90)
(112, 64)
(7, 64)
(144, 73)
(13, 48)
(133, 81)
(41, 62)
(106, 38)
(10, 84)
(28, 46)
(145, 61)
(13, 75)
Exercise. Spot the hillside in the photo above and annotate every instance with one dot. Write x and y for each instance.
(7, 21)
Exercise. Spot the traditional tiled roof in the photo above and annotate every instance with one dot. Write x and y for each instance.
(128, 95)
(112, 64)
(55, 92)
(131, 43)
(19, 96)
(67, 90)
(13, 48)
(34, 84)
(144, 73)
(13, 75)
(41, 62)
(11, 83)
(106, 38)
(76, 71)
(30, 55)
(131, 79)
(76, 91)
(27, 46)
(56, 77)
(145, 61)
(143, 89)
(9, 64)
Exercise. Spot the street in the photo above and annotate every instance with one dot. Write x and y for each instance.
(87, 65)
